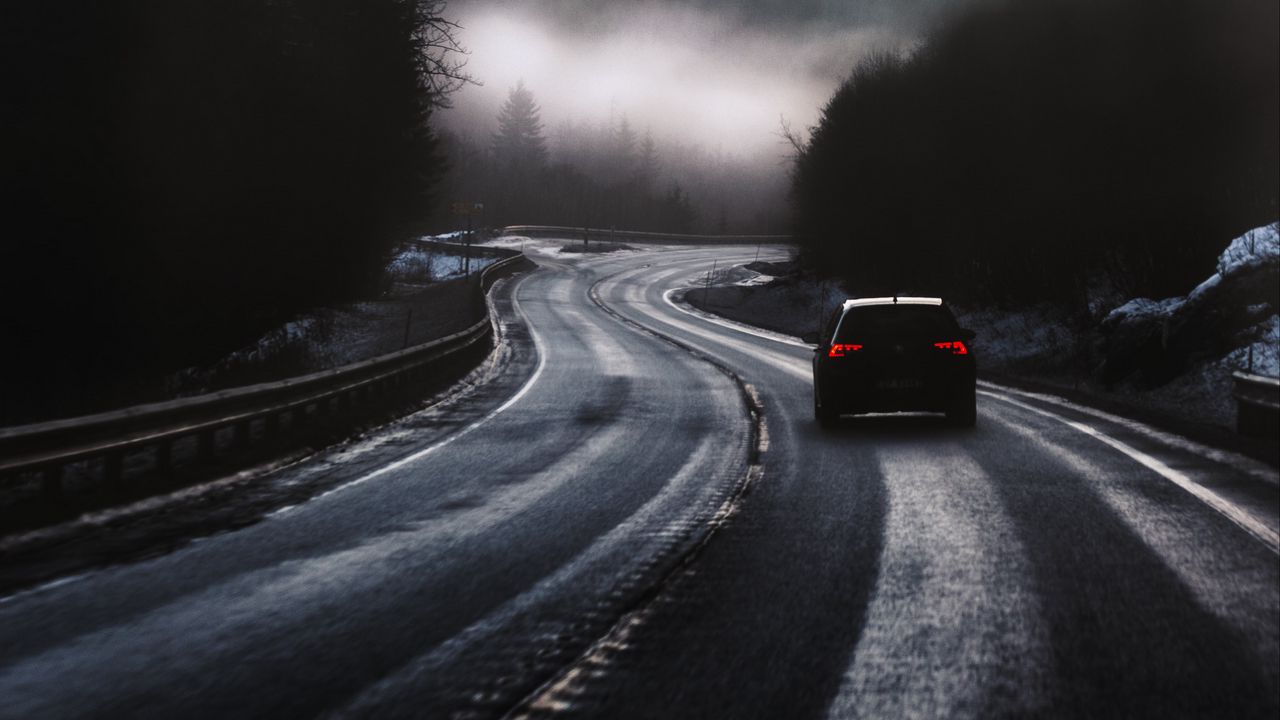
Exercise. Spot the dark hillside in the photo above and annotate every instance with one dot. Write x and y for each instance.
(181, 174)
(1027, 147)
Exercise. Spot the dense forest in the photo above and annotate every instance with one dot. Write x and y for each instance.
(180, 174)
(1025, 150)
(606, 174)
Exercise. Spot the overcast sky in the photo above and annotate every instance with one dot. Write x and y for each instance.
(716, 72)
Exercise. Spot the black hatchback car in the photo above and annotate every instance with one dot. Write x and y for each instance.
(894, 354)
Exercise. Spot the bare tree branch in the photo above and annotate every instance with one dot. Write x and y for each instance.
(442, 59)
(791, 137)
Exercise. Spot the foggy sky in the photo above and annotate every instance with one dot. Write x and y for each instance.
(717, 73)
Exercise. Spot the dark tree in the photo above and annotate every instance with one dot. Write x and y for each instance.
(182, 174)
(1028, 148)
(519, 143)
(647, 164)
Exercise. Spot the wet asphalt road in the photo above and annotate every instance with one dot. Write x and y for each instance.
(638, 517)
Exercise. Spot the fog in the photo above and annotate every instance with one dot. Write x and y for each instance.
(714, 73)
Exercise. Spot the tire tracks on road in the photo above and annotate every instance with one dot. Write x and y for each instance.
(574, 681)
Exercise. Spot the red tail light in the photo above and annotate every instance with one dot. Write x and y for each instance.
(956, 347)
(839, 350)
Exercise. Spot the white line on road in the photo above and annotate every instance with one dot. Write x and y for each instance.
(1269, 536)
(740, 327)
(414, 457)
(1253, 468)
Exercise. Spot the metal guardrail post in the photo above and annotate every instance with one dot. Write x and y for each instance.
(1257, 404)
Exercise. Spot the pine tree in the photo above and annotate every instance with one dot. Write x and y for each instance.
(519, 143)
(647, 167)
(624, 148)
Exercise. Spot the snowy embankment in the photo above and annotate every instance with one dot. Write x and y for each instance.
(556, 248)
(1180, 352)
(425, 296)
(1229, 319)
(416, 264)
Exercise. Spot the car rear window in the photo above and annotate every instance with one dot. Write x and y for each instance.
(873, 320)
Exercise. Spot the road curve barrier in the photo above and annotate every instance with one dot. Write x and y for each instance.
(1257, 404)
(611, 235)
(141, 439)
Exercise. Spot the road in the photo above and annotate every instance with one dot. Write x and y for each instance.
(630, 512)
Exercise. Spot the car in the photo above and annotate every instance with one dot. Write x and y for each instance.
(894, 354)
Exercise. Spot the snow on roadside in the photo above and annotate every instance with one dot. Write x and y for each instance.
(1035, 339)
(1145, 308)
(1262, 356)
(549, 247)
(446, 237)
(416, 264)
(755, 279)
(1252, 249)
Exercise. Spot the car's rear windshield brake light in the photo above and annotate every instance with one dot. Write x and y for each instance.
(956, 347)
(839, 350)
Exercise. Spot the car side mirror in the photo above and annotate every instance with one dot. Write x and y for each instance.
(967, 335)
(811, 338)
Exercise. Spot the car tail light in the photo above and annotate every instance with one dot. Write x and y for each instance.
(956, 347)
(839, 350)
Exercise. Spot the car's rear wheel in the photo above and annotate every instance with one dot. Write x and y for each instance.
(964, 410)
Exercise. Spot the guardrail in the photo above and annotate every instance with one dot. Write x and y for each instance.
(1257, 404)
(46, 448)
(462, 247)
(607, 234)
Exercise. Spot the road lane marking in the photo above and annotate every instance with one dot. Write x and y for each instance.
(540, 348)
(1212, 571)
(557, 694)
(791, 366)
(740, 327)
(1254, 468)
(1246, 521)
(659, 522)
(227, 621)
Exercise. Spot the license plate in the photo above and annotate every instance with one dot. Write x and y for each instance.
(901, 384)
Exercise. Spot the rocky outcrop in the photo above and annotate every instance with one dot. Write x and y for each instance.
(1153, 341)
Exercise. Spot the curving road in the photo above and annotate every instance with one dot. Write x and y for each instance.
(629, 512)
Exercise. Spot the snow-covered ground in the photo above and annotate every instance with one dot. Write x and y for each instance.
(1175, 354)
(556, 248)
(418, 264)
(1237, 300)
(426, 295)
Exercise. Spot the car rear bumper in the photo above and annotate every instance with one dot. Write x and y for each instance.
(872, 394)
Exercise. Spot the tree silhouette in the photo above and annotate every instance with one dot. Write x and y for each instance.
(181, 175)
(1023, 153)
(519, 143)
(647, 165)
